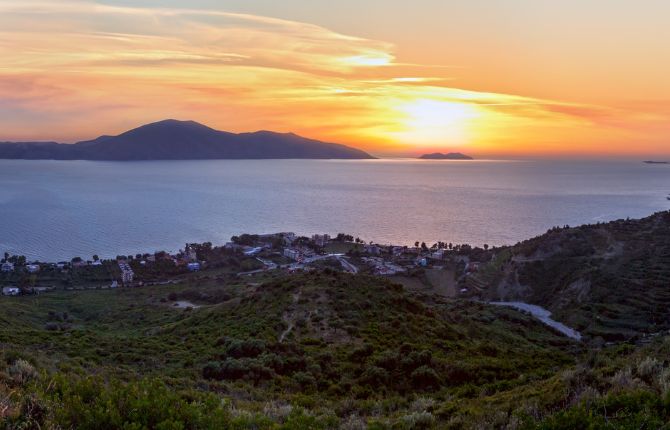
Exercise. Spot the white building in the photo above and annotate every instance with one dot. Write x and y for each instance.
(10, 291)
(193, 267)
(7, 267)
(292, 253)
(33, 268)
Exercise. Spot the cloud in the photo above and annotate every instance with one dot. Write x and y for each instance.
(73, 69)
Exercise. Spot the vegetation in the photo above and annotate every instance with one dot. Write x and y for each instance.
(327, 350)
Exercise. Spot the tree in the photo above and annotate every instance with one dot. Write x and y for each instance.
(95, 257)
(416, 244)
(486, 247)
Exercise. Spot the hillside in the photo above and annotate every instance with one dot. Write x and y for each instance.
(183, 140)
(322, 338)
(610, 281)
(327, 350)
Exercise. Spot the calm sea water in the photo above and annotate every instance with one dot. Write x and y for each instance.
(55, 210)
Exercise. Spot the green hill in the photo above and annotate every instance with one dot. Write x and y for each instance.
(610, 281)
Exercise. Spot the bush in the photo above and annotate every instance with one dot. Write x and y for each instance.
(91, 403)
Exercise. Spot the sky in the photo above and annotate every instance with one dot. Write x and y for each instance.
(504, 78)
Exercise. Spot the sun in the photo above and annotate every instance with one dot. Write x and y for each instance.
(428, 122)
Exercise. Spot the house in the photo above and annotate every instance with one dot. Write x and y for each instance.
(189, 254)
(7, 267)
(193, 267)
(289, 238)
(61, 265)
(127, 277)
(320, 239)
(373, 249)
(10, 291)
(96, 263)
(438, 255)
(423, 262)
(292, 253)
(33, 268)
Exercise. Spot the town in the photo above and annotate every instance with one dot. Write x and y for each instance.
(443, 268)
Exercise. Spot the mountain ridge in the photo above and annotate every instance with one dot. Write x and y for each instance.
(183, 140)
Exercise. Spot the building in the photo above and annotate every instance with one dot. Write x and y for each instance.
(127, 274)
(373, 249)
(10, 291)
(292, 253)
(96, 263)
(190, 254)
(33, 268)
(289, 238)
(321, 239)
(423, 262)
(438, 255)
(193, 267)
(7, 267)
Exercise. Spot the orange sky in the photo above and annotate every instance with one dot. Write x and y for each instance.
(500, 79)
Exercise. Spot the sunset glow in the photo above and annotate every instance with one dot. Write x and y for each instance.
(72, 70)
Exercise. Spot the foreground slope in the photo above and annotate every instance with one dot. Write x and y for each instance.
(327, 339)
(183, 140)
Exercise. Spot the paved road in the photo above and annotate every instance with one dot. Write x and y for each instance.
(543, 315)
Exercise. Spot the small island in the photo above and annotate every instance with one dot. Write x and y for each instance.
(449, 156)
(656, 162)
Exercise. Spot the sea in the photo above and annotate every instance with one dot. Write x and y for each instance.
(56, 210)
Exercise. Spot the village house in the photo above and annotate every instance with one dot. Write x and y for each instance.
(7, 267)
(288, 238)
(10, 291)
(193, 267)
(292, 253)
(33, 268)
(320, 239)
(372, 249)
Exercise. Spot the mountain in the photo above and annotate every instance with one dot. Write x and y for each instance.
(449, 156)
(608, 281)
(183, 140)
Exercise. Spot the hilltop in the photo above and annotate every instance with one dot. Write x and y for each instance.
(183, 140)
